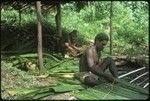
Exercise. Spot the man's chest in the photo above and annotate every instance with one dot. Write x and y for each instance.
(96, 57)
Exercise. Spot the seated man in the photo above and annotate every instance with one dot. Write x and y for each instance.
(69, 46)
(92, 68)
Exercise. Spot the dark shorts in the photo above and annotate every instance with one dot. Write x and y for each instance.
(82, 75)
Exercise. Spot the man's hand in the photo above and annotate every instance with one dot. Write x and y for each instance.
(114, 80)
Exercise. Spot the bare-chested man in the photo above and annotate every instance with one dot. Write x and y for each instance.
(91, 65)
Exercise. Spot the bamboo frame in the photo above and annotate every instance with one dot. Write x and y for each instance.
(131, 72)
(142, 81)
(139, 77)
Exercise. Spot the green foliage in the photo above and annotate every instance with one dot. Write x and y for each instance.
(65, 66)
(12, 17)
(130, 25)
(109, 91)
(130, 22)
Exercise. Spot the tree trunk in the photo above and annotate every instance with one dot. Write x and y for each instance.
(39, 30)
(58, 24)
(19, 17)
(111, 14)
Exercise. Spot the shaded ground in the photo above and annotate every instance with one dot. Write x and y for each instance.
(12, 77)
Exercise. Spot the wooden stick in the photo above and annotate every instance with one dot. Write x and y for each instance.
(139, 77)
(146, 85)
(121, 76)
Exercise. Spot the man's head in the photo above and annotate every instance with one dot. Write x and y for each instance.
(73, 35)
(100, 41)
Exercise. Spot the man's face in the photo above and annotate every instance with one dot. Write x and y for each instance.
(73, 37)
(101, 44)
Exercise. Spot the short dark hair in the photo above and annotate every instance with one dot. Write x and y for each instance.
(101, 37)
(74, 33)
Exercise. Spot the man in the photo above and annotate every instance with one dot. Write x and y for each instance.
(91, 65)
(69, 46)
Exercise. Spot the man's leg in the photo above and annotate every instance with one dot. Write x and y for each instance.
(87, 78)
(91, 81)
(109, 63)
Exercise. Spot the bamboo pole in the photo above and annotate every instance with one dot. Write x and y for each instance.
(139, 77)
(131, 72)
(146, 85)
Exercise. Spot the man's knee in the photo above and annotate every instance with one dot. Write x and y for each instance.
(91, 81)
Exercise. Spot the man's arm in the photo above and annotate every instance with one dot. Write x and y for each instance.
(95, 69)
(68, 46)
(76, 48)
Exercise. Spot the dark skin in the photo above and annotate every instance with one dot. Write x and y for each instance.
(70, 45)
(91, 61)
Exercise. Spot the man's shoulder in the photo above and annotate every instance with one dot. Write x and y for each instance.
(90, 49)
